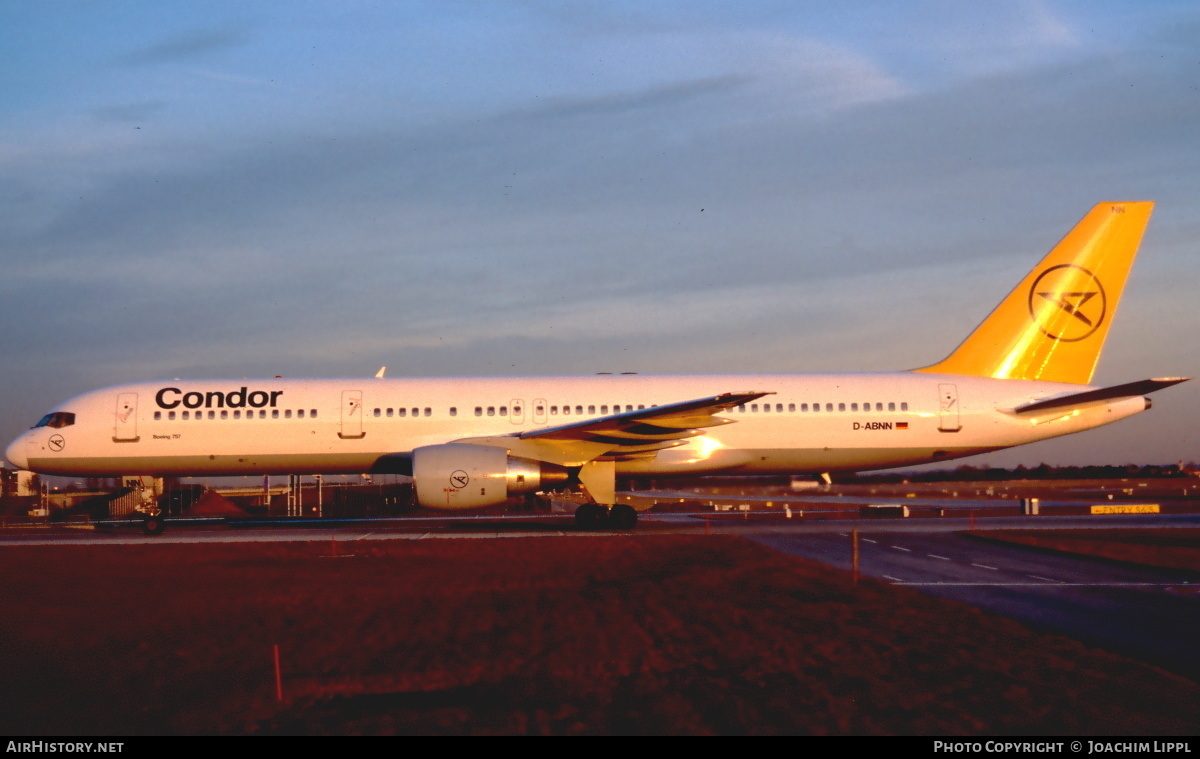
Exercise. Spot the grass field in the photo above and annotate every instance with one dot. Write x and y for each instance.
(600, 635)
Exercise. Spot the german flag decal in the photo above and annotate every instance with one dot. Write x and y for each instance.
(901, 425)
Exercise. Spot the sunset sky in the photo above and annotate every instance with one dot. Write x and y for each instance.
(229, 189)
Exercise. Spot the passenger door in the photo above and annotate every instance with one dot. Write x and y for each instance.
(125, 428)
(948, 413)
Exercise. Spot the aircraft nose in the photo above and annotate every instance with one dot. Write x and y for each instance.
(15, 453)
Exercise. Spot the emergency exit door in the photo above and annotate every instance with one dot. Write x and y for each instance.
(352, 415)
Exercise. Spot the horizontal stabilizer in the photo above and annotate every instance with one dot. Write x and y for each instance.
(1128, 390)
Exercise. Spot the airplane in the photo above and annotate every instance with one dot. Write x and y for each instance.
(1021, 376)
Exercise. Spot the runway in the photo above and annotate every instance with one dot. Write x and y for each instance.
(1147, 613)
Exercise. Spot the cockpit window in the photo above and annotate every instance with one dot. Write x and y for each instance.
(57, 419)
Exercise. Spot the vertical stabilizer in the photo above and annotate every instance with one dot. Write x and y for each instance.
(1053, 325)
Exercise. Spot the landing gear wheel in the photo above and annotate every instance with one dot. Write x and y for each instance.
(623, 516)
(589, 516)
(153, 525)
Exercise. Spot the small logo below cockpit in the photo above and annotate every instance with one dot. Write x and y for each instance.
(56, 442)
(1067, 303)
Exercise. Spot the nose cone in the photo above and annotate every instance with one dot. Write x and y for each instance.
(15, 453)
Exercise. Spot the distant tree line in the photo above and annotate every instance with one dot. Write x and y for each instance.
(1040, 472)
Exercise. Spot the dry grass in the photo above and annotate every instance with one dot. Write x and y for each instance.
(599, 635)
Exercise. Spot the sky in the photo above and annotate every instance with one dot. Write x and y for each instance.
(230, 189)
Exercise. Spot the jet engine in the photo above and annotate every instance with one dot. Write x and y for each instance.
(464, 476)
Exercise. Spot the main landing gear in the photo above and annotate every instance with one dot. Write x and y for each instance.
(152, 522)
(594, 516)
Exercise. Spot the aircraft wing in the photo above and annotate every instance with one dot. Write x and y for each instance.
(1128, 390)
(624, 436)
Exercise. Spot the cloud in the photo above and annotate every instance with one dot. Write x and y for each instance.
(189, 45)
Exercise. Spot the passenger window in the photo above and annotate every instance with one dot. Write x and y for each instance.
(516, 410)
(754, 408)
(741, 409)
(402, 412)
(428, 411)
(224, 414)
(378, 412)
(554, 411)
(879, 407)
(171, 415)
(904, 406)
(579, 409)
(804, 408)
(312, 413)
(566, 410)
(274, 413)
(491, 410)
(841, 407)
(792, 407)
(478, 411)
(389, 413)
(504, 411)
(854, 407)
(288, 414)
(591, 409)
(829, 407)
(454, 411)
(891, 407)
(237, 413)
(157, 415)
(185, 415)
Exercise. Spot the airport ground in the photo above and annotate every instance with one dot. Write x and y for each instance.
(687, 625)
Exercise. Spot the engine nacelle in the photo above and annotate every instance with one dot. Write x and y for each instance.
(465, 476)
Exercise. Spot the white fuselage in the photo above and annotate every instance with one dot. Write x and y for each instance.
(811, 423)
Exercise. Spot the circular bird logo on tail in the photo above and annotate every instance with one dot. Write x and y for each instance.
(1067, 303)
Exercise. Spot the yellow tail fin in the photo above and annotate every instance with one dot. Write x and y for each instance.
(1053, 325)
